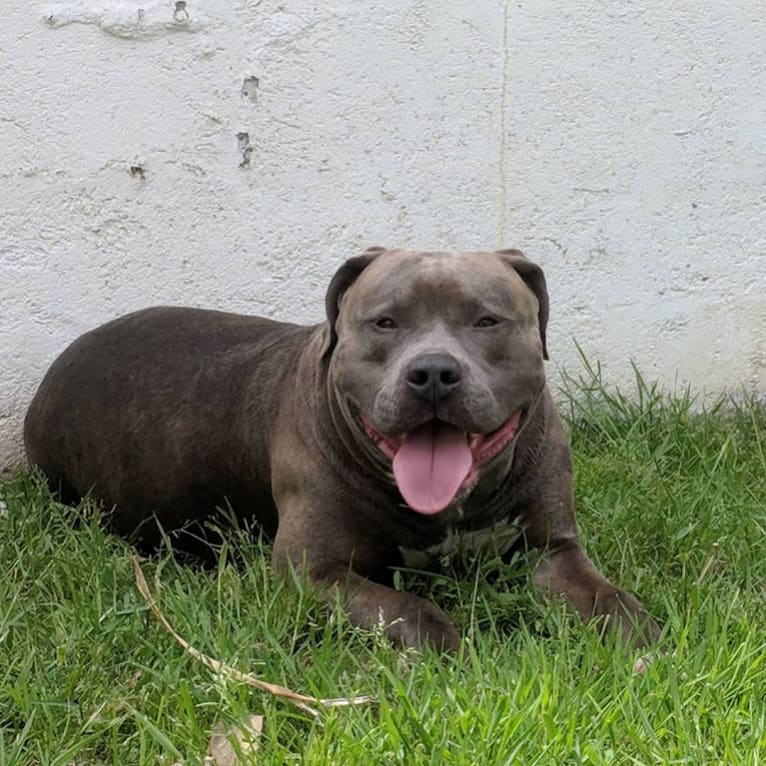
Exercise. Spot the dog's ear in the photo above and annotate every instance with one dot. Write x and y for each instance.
(344, 277)
(534, 279)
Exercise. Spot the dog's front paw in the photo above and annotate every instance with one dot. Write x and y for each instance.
(422, 624)
(407, 621)
(620, 610)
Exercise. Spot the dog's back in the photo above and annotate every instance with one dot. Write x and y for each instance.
(165, 394)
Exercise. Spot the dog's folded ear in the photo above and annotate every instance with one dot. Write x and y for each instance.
(344, 277)
(534, 278)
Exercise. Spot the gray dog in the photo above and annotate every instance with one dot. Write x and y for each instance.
(416, 414)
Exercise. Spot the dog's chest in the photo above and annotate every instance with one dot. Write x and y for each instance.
(494, 540)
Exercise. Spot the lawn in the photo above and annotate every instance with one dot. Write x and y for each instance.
(672, 505)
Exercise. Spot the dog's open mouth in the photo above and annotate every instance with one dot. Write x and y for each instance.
(435, 461)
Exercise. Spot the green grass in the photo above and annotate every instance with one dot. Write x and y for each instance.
(672, 504)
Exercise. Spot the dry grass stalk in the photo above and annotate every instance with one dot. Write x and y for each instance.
(302, 701)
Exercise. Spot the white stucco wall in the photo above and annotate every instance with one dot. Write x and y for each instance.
(622, 145)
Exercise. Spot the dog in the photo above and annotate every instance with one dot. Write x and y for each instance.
(416, 414)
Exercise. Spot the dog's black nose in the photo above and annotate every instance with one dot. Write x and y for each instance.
(433, 376)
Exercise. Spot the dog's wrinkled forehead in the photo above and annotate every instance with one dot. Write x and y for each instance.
(440, 282)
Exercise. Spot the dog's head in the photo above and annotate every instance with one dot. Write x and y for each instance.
(435, 360)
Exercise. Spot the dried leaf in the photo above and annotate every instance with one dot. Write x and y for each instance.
(227, 745)
(642, 663)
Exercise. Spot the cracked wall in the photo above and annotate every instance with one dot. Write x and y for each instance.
(231, 154)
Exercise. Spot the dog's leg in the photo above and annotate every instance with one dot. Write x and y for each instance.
(568, 572)
(407, 620)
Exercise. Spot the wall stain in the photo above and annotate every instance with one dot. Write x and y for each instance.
(181, 14)
(563, 250)
(249, 88)
(244, 146)
(152, 20)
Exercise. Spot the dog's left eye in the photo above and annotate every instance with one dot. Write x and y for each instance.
(486, 322)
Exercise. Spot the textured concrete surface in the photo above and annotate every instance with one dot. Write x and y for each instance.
(230, 154)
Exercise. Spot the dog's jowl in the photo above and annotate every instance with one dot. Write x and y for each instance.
(417, 413)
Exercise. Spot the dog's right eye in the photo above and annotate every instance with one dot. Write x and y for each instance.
(385, 323)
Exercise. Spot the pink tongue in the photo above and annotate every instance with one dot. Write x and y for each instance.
(429, 467)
